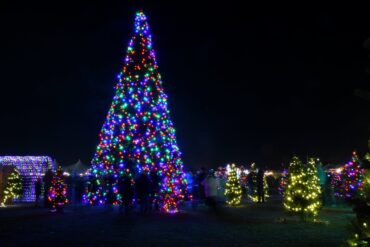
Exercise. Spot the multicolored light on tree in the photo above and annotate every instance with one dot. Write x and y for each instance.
(336, 182)
(13, 188)
(30, 168)
(57, 194)
(352, 179)
(138, 134)
(283, 180)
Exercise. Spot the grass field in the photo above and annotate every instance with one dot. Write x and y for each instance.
(249, 225)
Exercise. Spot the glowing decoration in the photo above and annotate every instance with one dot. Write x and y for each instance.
(360, 227)
(360, 190)
(233, 190)
(253, 186)
(303, 190)
(30, 168)
(367, 155)
(339, 170)
(57, 194)
(352, 179)
(138, 134)
(13, 188)
(269, 173)
(366, 187)
(313, 192)
(336, 182)
(283, 180)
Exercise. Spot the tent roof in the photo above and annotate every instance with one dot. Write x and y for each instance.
(77, 167)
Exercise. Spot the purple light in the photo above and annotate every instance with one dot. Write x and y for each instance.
(30, 168)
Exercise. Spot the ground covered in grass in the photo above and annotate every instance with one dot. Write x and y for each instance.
(249, 225)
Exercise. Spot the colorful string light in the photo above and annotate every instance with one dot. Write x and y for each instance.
(283, 180)
(352, 179)
(138, 134)
(30, 168)
(57, 194)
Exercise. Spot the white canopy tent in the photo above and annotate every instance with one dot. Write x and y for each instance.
(77, 169)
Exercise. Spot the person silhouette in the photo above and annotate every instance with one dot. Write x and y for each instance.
(47, 184)
(126, 191)
(38, 186)
(260, 190)
(154, 190)
(142, 191)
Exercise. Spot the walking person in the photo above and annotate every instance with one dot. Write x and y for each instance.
(210, 190)
(47, 184)
(199, 180)
(126, 191)
(38, 186)
(260, 189)
(142, 191)
(154, 190)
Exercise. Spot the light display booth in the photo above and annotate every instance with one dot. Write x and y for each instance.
(30, 168)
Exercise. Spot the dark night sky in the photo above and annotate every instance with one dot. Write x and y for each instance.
(244, 84)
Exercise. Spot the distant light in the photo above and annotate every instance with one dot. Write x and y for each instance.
(339, 170)
(269, 173)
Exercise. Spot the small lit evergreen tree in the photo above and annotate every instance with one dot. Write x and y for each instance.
(57, 195)
(313, 195)
(352, 178)
(233, 190)
(302, 196)
(360, 231)
(13, 188)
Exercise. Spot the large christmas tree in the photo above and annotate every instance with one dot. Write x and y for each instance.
(138, 134)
